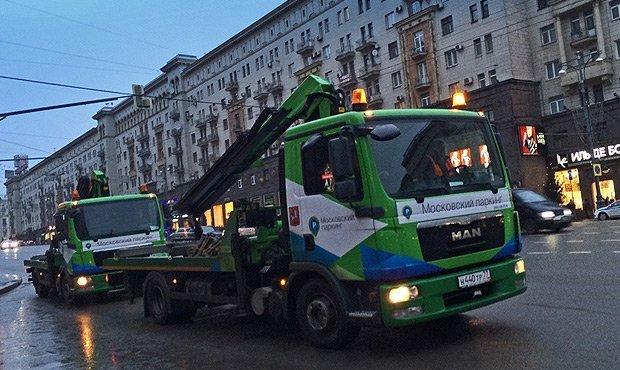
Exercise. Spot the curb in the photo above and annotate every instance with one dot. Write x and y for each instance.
(10, 286)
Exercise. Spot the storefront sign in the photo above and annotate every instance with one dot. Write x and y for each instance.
(568, 159)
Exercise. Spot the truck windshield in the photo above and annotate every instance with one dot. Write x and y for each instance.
(433, 157)
(117, 218)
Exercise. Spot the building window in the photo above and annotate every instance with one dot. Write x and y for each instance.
(492, 77)
(556, 104)
(547, 35)
(617, 49)
(553, 69)
(597, 91)
(473, 13)
(482, 82)
(451, 59)
(542, 4)
(327, 52)
(390, 19)
(250, 113)
(454, 88)
(446, 26)
(575, 25)
(339, 16)
(240, 183)
(418, 42)
(346, 14)
(477, 48)
(484, 8)
(425, 100)
(253, 180)
(393, 50)
(291, 69)
(396, 79)
(422, 72)
(615, 9)
(225, 123)
(195, 157)
(488, 43)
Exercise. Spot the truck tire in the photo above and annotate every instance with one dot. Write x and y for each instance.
(65, 291)
(158, 300)
(321, 318)
(41, 290)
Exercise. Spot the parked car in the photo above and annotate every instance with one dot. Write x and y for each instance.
(610, 211)
(538, 212)
(183, 233)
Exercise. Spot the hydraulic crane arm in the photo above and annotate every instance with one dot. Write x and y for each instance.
(313, 99)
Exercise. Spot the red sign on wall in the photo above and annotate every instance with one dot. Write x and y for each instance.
(528, 140)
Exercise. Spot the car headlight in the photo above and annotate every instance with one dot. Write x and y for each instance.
(547, 214)
(568, 212)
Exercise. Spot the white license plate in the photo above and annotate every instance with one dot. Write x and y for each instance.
(476, 278)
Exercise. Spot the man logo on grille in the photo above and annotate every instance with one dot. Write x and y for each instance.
(466, 234)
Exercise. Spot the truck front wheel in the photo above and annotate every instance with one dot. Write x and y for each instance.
(158, 302)
(65, 288)
(321, 317)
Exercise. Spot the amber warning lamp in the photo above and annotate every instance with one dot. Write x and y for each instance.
(358, 100)
(458, 100)
(144, 189)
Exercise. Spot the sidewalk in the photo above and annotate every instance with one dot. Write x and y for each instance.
(9, 282)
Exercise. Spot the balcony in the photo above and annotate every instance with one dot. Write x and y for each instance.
(370, 72)
(158, 127)
(602, 70)
(305, 47)
(213, 137)
(204, 162)
(344, 54)
(101, 153)
(143, 153)
(261, 94)
(365, 44)
(176, 132)
(129, 140)
(347, 80)
(423, 83)
(232, 87)
(211, 118)
(214, 157)
(142, 136)
(202, 142)
(175, 114)
(419, 53)
(177, 150)
(179, 170)
(200, 122)
(579, 40)
(145, 168)
(375, 101)
(275, 87)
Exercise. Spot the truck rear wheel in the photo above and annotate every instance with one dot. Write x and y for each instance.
(41, 290)
(321, 318)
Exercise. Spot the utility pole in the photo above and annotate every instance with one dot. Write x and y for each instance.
(585, 104)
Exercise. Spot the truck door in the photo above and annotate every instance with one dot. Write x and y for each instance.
(323, 229)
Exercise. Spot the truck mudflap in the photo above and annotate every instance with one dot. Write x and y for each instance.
(448, 294)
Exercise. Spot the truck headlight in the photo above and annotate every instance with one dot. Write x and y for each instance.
(83, 280)
(547, 214)
(519, 267)
(402, 294)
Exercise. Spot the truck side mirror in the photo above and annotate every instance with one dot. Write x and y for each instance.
(342, 159)
(61, 227)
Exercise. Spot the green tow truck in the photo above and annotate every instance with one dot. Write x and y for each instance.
(387, 218)
(90, 229)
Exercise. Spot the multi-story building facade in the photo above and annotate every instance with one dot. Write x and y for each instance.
(33, 197)
(515, 60)
(5, 231)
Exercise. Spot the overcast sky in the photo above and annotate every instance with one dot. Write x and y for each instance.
(102, 44)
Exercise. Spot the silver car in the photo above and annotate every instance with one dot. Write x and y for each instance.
(610, 211)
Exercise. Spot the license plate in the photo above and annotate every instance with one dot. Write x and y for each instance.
(476, 278)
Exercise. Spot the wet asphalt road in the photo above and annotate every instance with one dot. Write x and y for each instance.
(568, 318)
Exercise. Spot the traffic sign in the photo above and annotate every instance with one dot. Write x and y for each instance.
(596, 167)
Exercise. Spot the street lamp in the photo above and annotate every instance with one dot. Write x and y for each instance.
(585, 104)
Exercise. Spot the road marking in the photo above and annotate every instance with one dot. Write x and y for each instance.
(543, 242)
(580, 252)
(592, 232)
(538, 252)
(610, 240)
(616, 251)
(574, 241)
